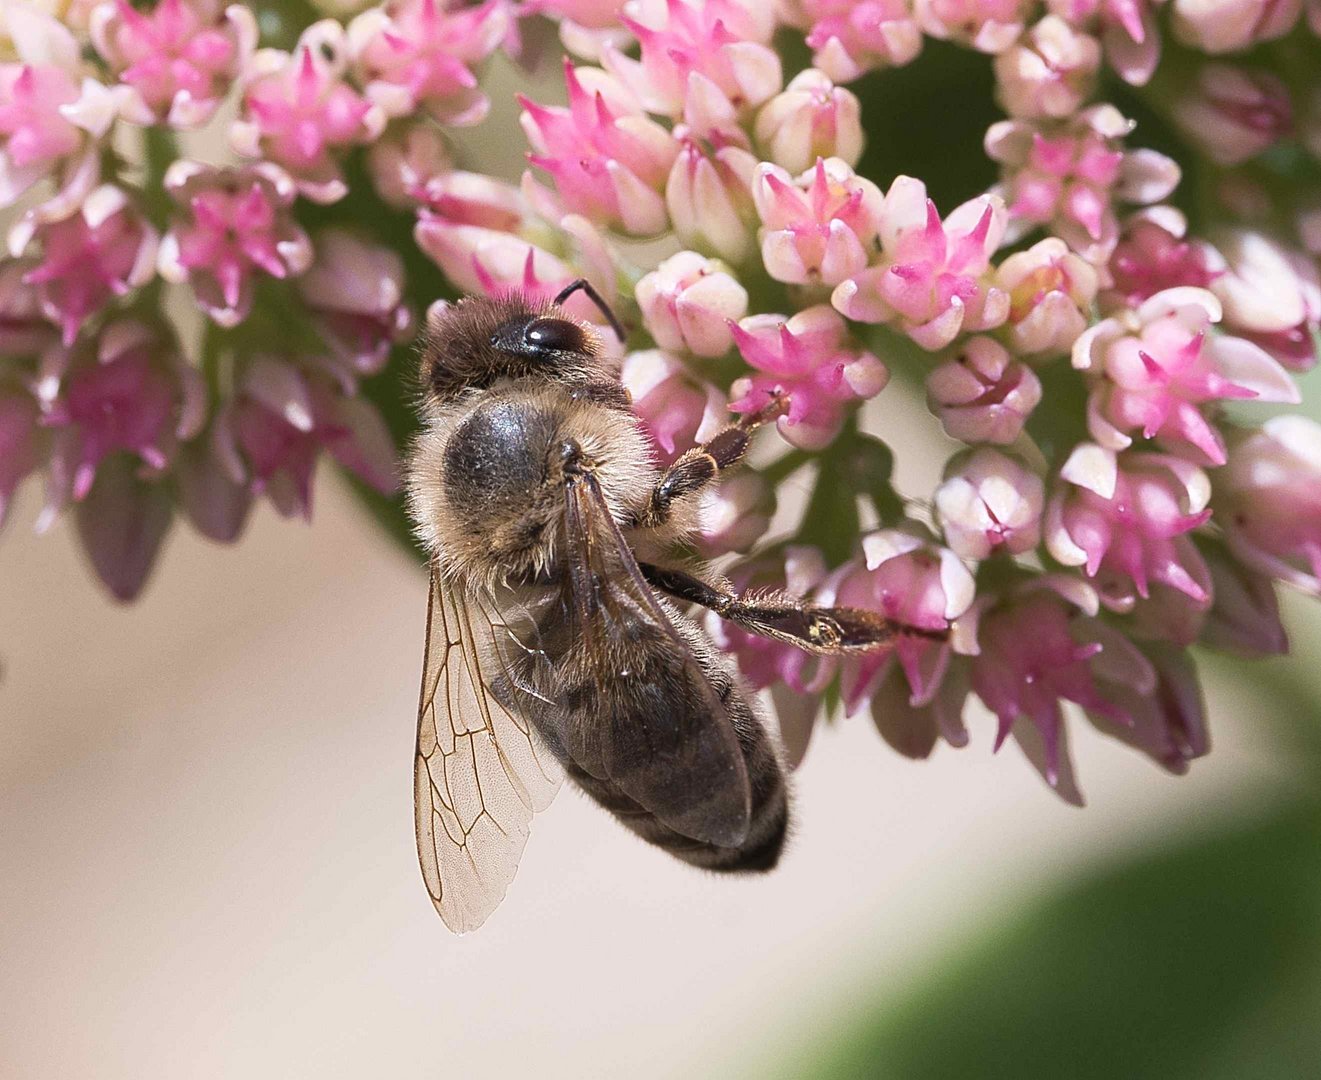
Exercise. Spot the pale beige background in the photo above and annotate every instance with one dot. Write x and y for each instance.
(207, 867)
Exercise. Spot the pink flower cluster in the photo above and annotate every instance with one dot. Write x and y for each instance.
(1122, 486)
(687, 130)
(98, 389)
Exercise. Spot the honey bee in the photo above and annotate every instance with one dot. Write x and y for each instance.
(554, 642)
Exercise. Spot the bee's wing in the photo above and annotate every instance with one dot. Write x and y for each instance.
(480, 771)
(666, 741)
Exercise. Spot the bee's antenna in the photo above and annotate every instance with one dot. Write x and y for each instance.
(583, 285)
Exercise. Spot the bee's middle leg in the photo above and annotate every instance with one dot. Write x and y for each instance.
(696, 468)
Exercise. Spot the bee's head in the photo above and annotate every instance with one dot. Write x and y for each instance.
(479, 340)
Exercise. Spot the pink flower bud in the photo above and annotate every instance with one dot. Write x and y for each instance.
(178, 60)
(811, 119)
(736, 515)
(121, 526)
(270, 435)
(354, 295)
(934, 279)
(688, 303)
(850, 37)
(136, 394)
(1152, 255)
(990, 26)
(1245, 613)
(1129, 515)
(678, 409)
(1070, 178)
(417, 54)
(20, 441)
(1271, 295)
(711, 54)
(609, 161)
(1157, 365)
(300, 113)
(982, 394)
(1050, 297)
(406, 160)
(989, 502)
(820, 230)
(51, 116)
(234, 223)
(811, 358)
(24, 331)
(1268, 500)
(1167, 723)
(1050, 73)
(1128, 30)
(709, 199)
(103, 251)
(1223, 26)
(912, 582)
(1232, 113)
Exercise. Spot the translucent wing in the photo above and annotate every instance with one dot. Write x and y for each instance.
(480, 771)
(660, 733)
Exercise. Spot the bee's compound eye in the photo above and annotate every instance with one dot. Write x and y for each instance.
(553, 335)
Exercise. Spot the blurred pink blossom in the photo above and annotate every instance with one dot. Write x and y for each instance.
(1233, 113)
(850, 37)
(1049, 73)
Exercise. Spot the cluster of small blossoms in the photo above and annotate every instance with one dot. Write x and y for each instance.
(1110, 498)
(129, 412)
(1085, 535)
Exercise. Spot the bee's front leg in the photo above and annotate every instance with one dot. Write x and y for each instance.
(697, 467)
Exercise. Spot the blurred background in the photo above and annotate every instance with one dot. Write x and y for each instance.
(208, 867)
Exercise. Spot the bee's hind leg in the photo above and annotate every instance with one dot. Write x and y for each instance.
(824, 630)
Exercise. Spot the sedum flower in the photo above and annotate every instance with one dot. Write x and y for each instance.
(1050, 297)
(915, 583)
(989, 26)
(609, 161)
(1245, 612)
(819, 229)
(811, 119)
(1128, 31)
(52, 115)
(850, 37)
(1224, 26)
(705, 63)
(678, 409)
(989, 502)
(1038, 644)
(1156, 369)
(233, 223)
(1071, 179)
(1154, 254)
(1233, 113)
(709, 199)
(1270, 295)
(269, 436)
(934, 278)
(103, 251)
(298, 111)
(178, 60)
(1049, 73)
(354, 292)
(417, 54)
(810, 357)
(688, 304)
(982, 394)
(1129, 515)
(129, 393)
(1268, 499)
